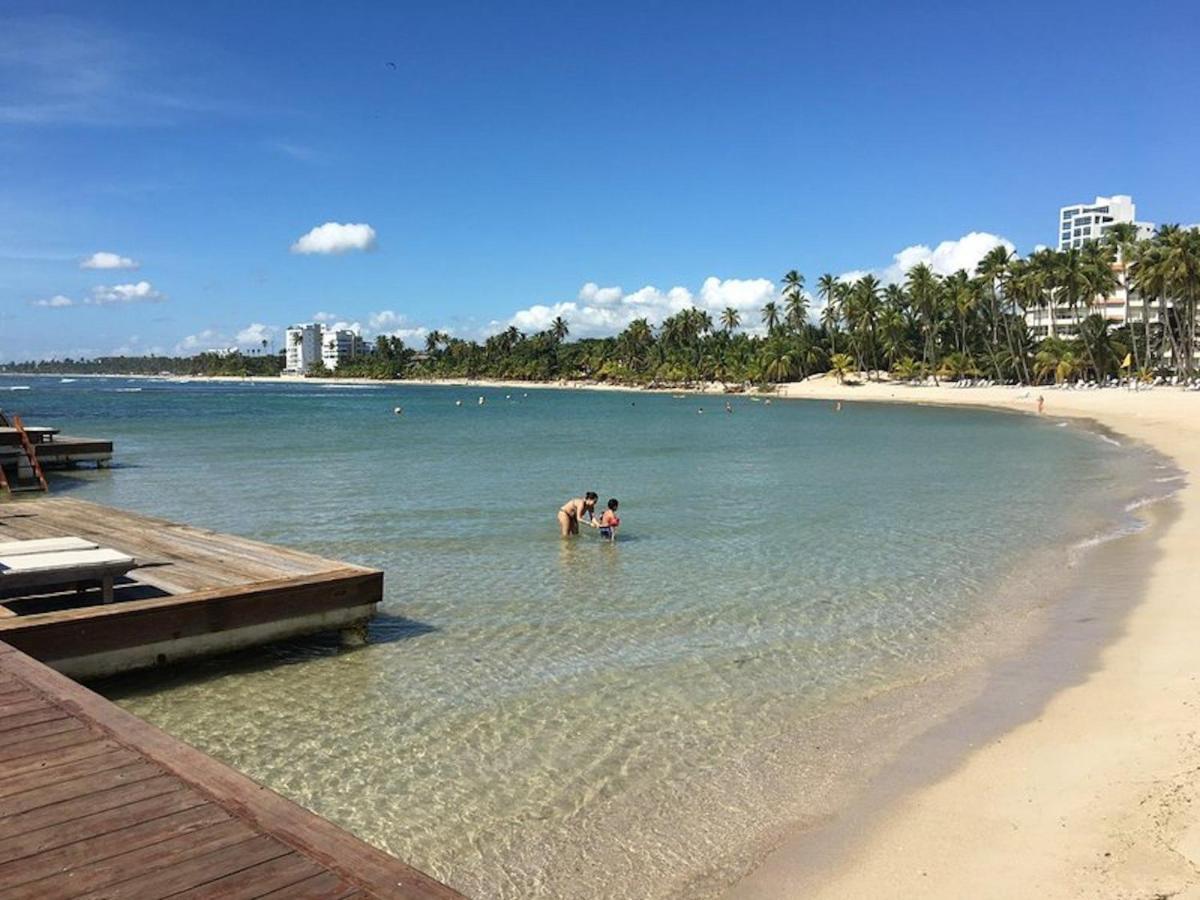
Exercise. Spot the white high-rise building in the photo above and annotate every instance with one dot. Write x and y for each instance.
(303, 346)
(1081, 222)
(340, 346)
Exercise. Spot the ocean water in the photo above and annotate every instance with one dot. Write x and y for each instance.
(539, 717)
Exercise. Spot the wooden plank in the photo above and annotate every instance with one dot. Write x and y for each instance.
(255, 881)
(104, 846)
(44, 713)
(121, 625)
(37, 730)
(59, 756)
(31, 780)
(53, 792)
(326, 886)
(41, 745)
(327, 845)
(46, 816)
(134, 873)
(180, 872)
(31, 843)
(20, 708)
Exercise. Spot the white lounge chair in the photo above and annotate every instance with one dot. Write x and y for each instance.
(45, 545)
(64, 568)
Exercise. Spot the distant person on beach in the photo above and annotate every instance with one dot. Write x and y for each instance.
(573, 510)
(609, 521)
(1041, 403)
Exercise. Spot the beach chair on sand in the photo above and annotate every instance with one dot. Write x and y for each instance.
(63, 568)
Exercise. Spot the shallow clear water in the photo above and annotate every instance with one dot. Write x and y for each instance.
(540, 717)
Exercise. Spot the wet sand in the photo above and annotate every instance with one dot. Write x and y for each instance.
(1087, 792)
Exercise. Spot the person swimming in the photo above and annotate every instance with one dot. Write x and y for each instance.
(609, 521)
(572, 511)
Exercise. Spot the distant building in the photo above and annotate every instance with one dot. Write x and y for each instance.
(1081, 222)
(303, 348)
(340, 346)
(1078, 223)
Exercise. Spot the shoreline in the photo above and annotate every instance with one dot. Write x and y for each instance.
(1080, 789)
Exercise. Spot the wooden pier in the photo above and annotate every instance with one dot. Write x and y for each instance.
(96, 803)
(54, 450)
(195, 592)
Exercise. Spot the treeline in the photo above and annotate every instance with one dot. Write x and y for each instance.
(961, 326)
(232, 364)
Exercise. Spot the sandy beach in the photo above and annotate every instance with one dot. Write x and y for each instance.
(1095, 793)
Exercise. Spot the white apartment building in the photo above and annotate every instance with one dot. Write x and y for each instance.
(340, 346)
(303, 348)
(1081, 222)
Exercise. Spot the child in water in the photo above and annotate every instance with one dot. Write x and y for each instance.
(609, 521)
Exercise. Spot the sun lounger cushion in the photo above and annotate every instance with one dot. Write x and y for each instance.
(42, 571)
(44, 545)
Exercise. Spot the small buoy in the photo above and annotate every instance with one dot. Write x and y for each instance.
(768, 402)
(481, 401)
(508, 396)
(399, 410)
(700, 411)
(458, 403)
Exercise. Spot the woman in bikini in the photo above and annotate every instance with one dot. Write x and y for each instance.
(574, 510)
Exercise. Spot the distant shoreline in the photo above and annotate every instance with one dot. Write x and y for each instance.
(566, 384)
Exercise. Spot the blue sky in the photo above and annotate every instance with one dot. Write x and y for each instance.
(505, 156)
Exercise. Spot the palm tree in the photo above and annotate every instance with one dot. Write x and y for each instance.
(795, 300)
(559, 328)
(730, 319)
(994, 269)
(925, 292)
(770, 315)
(841, 365)
(1122, 237)
(778, 364)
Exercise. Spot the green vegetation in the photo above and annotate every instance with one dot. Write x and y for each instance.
(960, 326)
(232, 364)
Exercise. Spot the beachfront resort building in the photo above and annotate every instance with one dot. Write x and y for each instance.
(1080, 222)
(339, 346)
(310, 343)
(303, 348)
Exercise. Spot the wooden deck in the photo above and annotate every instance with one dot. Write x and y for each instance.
(61, 451)
(96, 803)
(196, 591)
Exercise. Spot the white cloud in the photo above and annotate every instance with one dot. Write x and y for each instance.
(194, 343)
(601, 311)
(254, 334)
(334, 237)
(124, 294)
(945, 259)
(742, 295)
(393, 324)
(325, 317)
(594, 295)
(413, 337)
(102, 259)
(56, 302)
